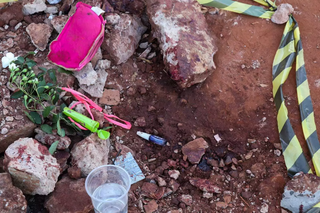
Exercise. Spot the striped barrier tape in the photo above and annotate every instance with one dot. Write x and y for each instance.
(290, 50)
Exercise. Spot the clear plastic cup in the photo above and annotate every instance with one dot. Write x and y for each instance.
(108, 187)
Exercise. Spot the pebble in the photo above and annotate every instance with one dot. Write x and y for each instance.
(151, 108)
(221, 205)
(187, 199)
(277, 152)
(174, 174)
(143, 45)
(249, 155)
(207, 195)
(4, 131)
(161, 181)
(10, 119)
(18, 26)
(277, 146)
(264, 208)
(217, 137)
(141, 122)
(160, 120)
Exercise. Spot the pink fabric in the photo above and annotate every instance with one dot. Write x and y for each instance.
(89, 104)
(79, 40)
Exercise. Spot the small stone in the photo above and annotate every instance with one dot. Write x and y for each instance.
(141, 122)
(227, 198)
(151, 108)
(152, 55)
(205, 185)
(234, 174)
(149, 189)
(17, 26)
(39, 34)
(282, 14)
(222, 205)
(173, 185)
(11, 34)
(74, 172)
(131, 91)
(217, 138)
(142, 90)
(233, 167)
(258, 169)
(187, 199)
(110, 97)
(248, 155)
(277, 146)
(221, 163)
(4, 131)
(207, 195)
(160, 120)
(277, 152)
(264, 208)
(58, 22)
(174, 174)
(235, 161)
(246, 194)
(228, 161)
(194, 150)
(31, 7)
(213, 162)
(252, 140)
(51, 10)
(143, 45)
(161, 181)
(151, 207)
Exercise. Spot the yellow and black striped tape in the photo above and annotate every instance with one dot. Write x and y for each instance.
(290, 50)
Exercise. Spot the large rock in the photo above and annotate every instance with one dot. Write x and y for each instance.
(90, 153)
(32, 167)
(69, 196)
(12, 199)
(48, 139)
(123, 38)
(58, 22)
(12, 12)
(194, 150)
(39, 34)
(33, 6)
(301, 193)
(181, 30)
(13, 122)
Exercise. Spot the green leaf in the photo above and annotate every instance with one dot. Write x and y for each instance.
(53, 147)
(60, 131)
(41, 85)
(20, 59)
(31, 63)
(43, 69)
(62, 106)
(47, 111)
(36, 117)
(45, 96)
(55, 98)
(61, 70)
(17, 94)
(106, 128)
(55, 118)
(29, 116)
(52, 75)
(46, 128)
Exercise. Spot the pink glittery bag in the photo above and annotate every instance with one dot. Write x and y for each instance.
(79, 40)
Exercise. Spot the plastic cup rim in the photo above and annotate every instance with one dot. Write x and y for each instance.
(119, 167)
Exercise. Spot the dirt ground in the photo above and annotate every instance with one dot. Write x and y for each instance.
(235, 102)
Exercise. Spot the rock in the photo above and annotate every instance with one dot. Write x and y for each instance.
(96, 153)
(207, 195)
(205, 185)
(187, 199)
(246, 194)
(48, 139)
(194, 150)
(74, 172)
(141, 122)
(12, 199)
(123, 38)
(51, 10)
(174, 174)
(234, 174)
(222, 205)
(110, 97)
(31, 166)
(87, 75)
(213, 162)
(6, 44)
(33, 6)
(149, 188)
(281, 15)
(161, 181)
(152, 206)
(187, 48)
(173, 185)
(134, 7)
(96, 57)
(301, 193)
(39, 34)
(264, 208)
(9, 13)
(62, 158)
(58, 22)
(96, 90)
(69, 196)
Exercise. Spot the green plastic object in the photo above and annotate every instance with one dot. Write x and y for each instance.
(86, 122)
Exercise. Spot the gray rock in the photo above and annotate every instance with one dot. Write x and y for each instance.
(48, 139)
(87, 75)
(51, 10)
(34, 6)
(302, 192)
(123, 38)
(32, 167)
(96, 58)
(96, 89)
(96, 153)
(12, 199)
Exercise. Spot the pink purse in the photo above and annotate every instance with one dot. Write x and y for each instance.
(79, 40)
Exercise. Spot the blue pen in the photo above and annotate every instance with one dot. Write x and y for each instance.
(152, 138)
